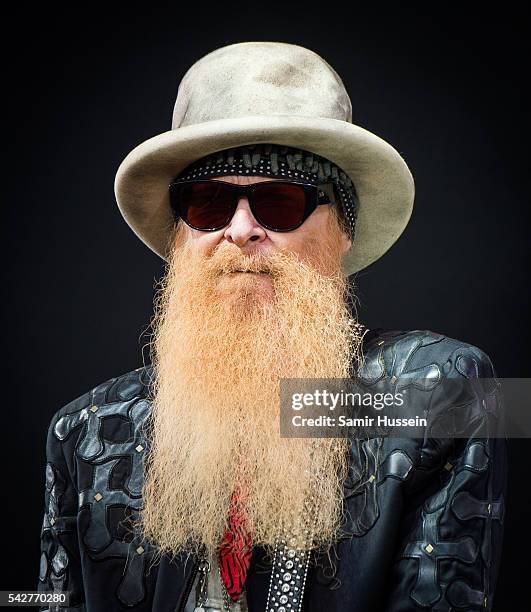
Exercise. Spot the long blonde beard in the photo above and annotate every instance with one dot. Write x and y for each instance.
(220, 347)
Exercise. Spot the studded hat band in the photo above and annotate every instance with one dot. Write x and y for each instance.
(278, 161)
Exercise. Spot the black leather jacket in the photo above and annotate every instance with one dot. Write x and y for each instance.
(426, 532)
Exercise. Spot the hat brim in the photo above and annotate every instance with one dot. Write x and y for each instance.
(382, 179)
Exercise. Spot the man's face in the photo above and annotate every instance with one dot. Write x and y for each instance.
(251, 238)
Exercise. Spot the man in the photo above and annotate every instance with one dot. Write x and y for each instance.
(170, 487)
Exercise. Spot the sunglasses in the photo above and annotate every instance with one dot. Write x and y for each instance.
(280, 206)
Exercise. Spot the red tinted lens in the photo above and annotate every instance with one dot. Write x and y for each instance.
(205, 205)
(280, 206)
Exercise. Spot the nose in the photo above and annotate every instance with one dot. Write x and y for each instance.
(243, 228)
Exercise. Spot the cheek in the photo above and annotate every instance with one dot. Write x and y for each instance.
(309, 241)
(316, 230)
(204, 242)
(288, 241)
(305, 240)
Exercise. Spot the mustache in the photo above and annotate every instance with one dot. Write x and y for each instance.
(228, 258)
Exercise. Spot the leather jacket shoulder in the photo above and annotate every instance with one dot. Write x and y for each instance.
(422, 530)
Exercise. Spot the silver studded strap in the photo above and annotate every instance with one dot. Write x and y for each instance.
(288, 578)
(291, 560)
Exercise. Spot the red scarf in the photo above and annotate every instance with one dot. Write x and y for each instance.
(234, 555)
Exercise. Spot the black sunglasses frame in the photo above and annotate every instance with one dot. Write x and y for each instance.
(315, 195)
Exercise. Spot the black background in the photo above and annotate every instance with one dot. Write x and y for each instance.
(84, 87)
